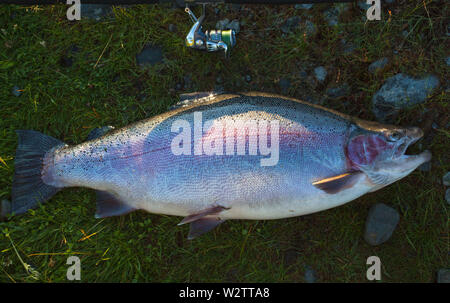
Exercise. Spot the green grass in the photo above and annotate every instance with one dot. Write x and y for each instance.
(104, 86)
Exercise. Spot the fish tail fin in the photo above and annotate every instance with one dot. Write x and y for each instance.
(28, 188)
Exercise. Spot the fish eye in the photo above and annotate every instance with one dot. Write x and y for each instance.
(394, 136)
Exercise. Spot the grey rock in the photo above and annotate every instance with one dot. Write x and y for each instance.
(5, 209)
(331, 15)
(446, 179)
(150, 55)
(172, 28)
(310, 28)
(363, 5)
(95, 11)
(378, 65)
(380, 224)
(337, 92)
(248, 78)
(447, 60)
(320, 73)
(285, 84)
(16, 91)
(303, 6)
(443, 275)
(447, 195)
(219, 80)
(290, 24)
(222, 24)
(401, 92)
(234, 25)
(303, 74)
(310, 274)
(347, 47)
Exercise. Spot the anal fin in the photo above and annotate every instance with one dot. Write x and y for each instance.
(108, 205)
(202, 226)
(335, 184)
(206, 212)
(203, 221)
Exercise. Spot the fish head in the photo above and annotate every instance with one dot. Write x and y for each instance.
(378, 150)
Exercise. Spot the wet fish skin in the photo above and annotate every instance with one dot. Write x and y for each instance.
(325, 159)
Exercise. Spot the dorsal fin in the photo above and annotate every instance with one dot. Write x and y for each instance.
(335, 184)
(189, 99)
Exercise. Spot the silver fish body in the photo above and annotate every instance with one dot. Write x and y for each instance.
(319, 159)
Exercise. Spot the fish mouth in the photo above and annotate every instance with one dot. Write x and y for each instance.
(412, 135)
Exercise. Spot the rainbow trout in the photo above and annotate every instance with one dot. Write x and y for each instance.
(234, 156)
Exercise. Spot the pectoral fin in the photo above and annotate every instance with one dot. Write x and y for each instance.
(335, 184)
(108, 205)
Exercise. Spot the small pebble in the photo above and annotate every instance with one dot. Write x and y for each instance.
(447, 195)
(320, 73)
(290, 24)
(443, 275)
(310, 28)
(172, 28)
(95, 11)
(285, 84)
(446, 179)
(222, 24)
(337, 92)
(234, 25)
(303, 6)
(310, 274)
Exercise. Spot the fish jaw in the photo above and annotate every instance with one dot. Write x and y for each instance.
(380, 154)
(391, 171)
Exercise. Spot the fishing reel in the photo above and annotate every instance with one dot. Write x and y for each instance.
(211, 40)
